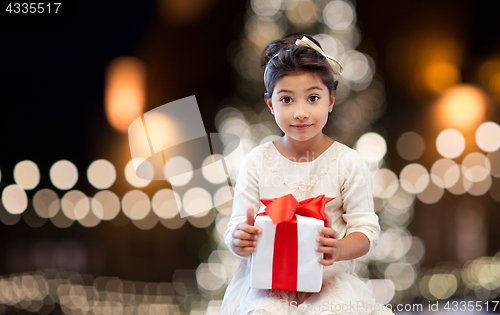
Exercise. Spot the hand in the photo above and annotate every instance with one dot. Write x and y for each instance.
(331, 245)
(245, 235)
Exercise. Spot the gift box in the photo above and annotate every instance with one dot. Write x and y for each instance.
(285, 258)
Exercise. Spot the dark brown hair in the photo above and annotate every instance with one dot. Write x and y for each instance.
(294, 59)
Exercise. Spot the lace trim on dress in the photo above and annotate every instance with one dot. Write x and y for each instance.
(299, 186)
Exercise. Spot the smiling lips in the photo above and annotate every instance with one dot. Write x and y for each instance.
(301, 126)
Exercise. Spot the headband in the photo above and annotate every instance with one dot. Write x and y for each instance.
(332, 62)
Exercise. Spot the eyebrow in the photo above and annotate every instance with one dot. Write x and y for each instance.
(309, 89)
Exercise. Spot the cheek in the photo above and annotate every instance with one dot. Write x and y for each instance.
(280, 119)
(323, 117)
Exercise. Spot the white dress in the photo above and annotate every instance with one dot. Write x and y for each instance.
(338, 172)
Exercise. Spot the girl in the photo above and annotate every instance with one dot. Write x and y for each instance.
(300, 81)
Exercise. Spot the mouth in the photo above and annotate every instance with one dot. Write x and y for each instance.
(301, 126)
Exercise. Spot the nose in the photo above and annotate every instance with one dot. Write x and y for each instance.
(300, 111)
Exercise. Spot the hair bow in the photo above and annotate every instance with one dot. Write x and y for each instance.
(331, 61)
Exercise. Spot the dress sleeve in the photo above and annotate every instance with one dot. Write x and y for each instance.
(357, 199)
(246, 193)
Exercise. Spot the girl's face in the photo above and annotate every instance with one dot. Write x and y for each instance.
(300, 104)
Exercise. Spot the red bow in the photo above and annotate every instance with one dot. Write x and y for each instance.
(284, 208)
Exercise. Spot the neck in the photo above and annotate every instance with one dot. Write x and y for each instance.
(308, 150)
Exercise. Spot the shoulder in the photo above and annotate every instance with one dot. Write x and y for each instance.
(346, 153)
(350, 158)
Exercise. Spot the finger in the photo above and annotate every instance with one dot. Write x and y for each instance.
(241, 234)
(250, 215)
(326, 262)
(328, 232)
(244, 250)
(243, 243)
(328, 219)
(327, 250)
(327, 241)
(250, 229)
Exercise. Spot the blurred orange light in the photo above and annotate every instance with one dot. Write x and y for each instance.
(462, 107)
(489, 76)
(439, 76)
(125, 91)
(495, 83)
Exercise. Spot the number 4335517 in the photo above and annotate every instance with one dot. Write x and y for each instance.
(33, 7)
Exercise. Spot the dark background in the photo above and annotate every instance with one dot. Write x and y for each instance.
(52, 93)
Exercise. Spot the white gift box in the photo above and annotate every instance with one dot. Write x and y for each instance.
(308, 272)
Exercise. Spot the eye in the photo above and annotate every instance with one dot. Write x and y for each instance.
(286, 100)
(313, 98)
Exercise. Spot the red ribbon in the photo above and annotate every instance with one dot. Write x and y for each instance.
(282, 212)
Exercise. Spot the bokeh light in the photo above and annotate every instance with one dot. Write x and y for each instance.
(445, 173)
(166, 203)
(442, 286)
(431, 194)
(410, 146)
(60, 220)
(339, 15)
(132, 178)
(202, 220)
(105, 205)
(450, 143)
(476, 167)
(26, 174)
(213, 169)
(494, 158)
(266, 7)
(358, 70)
(221, 197)
(301, 13)
(14, 199)
(488, 136)
(46, 203)
(101, 174)
(148, 222)
(385, 183)
(211, 276)
(401, 199)
(125, 91)
(175, 223)
(441, 75)
(260, 32)
(63, 174)
(89, 220)
(402, 274)
(179, 163)
(480, 188)
(414, 178)
(136, 204)
(372, 147)
(489, 75)
(461, 186)
(416, 252)
(197, 201)
(482, 272)
(461, 107)
(75, 205)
